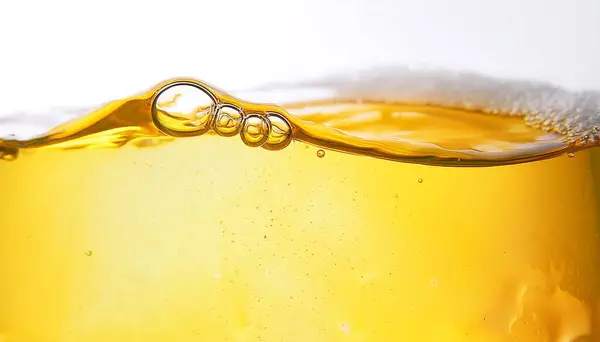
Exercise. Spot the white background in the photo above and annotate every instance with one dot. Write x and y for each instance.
(70, 53)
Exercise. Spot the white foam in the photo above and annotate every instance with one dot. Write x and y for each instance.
(574, 113)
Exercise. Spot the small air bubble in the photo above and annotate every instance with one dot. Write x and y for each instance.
(571, 155)
(280, 134)
(420, 180)
(228, 121)
(433, 282)
(320, 153)
(8, 154)
(88, 253)
(8, 157)
(255, 130)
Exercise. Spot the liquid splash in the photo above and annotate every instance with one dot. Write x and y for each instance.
(371, 125)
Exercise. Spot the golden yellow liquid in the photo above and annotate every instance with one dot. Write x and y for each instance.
(316, 237)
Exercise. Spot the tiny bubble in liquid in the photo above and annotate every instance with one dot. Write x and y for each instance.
(280, 134)
(8, 157)
(571, 155)
(420, 180)
(228, 121)
(255, 130)
(88, 253)
(320, 153)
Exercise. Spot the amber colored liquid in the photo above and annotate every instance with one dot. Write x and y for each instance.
(399, 132)
(303, 231)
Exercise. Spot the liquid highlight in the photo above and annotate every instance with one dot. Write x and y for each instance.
(187, 214)
(421, 134)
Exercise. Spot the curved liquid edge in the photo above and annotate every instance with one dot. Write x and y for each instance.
(575, 115)
(131, 120)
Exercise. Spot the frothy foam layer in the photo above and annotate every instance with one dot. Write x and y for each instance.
(573, 114)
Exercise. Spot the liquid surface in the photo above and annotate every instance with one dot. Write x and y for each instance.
(211, 236)
(387, 130)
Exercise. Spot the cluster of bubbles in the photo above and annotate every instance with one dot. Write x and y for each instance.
(187, 109)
